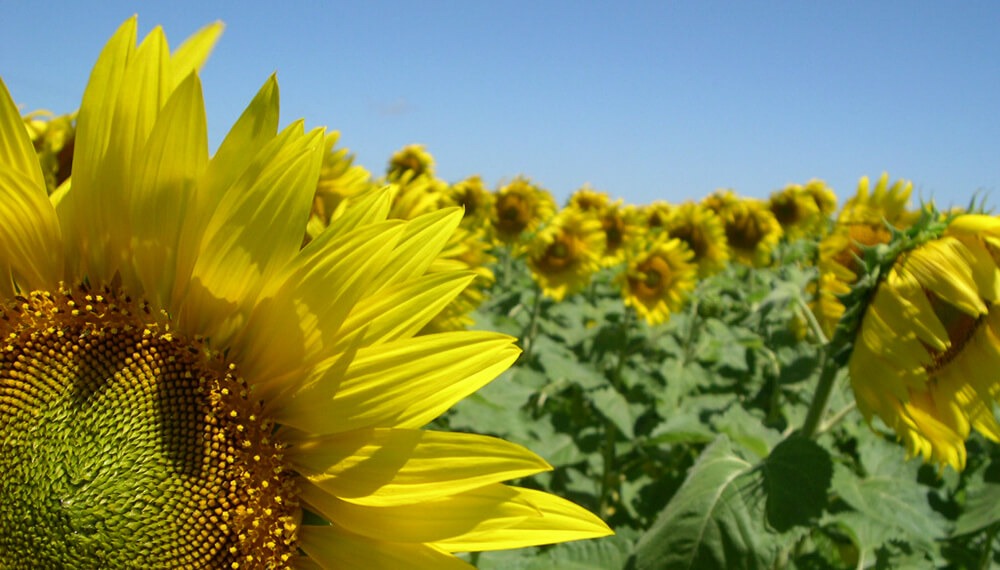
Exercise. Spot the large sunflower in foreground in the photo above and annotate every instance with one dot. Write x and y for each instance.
(928, 348)
(182, 386)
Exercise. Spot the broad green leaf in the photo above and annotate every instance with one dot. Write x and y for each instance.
(561, 365)
(747, 430)
(797, 477)
(613, 406)
(982, 506)
(708, 524)
(889, 493)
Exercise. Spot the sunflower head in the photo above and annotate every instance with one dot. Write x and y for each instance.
(53, 138)
(752, 232)
(796, 210)
(928, 344)
(181, 382)
(565, 253)
(411, 160)
(477, 201)
(703, 233)
(656, 214)
(721, 201)
(881, 205)
(520, 207)
(622, 226)
(586, 199)
(658, 278)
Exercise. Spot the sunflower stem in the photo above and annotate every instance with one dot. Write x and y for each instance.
(827, 378)
(529, 333)
(814, 326)
(985, 559)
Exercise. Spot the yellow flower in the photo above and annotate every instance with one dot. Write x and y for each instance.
(658, 279)
(622, 226)
(180, 381)
(520, 207)
(586, 199)
(656, 214)
(751, 231)
(475, 198)
(704, 234)
(796, 210)
(412, 160)
(928, 347)
(564, 254)
(884, 204)
(53, 139)
(824, 197)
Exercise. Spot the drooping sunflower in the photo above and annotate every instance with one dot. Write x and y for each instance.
(703, 232)
(928, 347)
(519, 207)
(752, 232)
(565, 254)
(658, 278)
(180, 382)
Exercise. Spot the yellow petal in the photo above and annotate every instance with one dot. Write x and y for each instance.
(16, 151)
(423, 240)
(558, 520)
(191, 54)
(255, 231)
(29, 233)
(334, 549)
(370, 207)
(398, 384)
(297, 321)
(942, 272)
(387, 467)
(484, 509)
(170, 163)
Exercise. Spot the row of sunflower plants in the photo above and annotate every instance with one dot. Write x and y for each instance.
(734, 417)
(728, 382)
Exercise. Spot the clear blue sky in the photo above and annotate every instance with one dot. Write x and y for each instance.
(643, 100)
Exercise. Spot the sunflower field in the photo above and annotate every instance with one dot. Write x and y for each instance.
(804, 382)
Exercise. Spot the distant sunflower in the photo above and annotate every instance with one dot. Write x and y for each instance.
(752, 232)
(520, 207)
(656, 214)
(477, 201)
(53, 138)
(796, 210)
(721, 201)
(563, 255)
(412, 160)
(339, 180)
(704, 234)
(622, 226)
(928, 348)
(658, 279)
(824, 197)
(586, 199)
(181, 382)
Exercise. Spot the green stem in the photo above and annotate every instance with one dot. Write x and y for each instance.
(692, 328)
(814, 325)
(623, 351)
(821, 398)
(529, 334)
(985, 559)
(610, 474)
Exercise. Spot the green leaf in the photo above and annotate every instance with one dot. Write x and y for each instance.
(613, 406)
(889, 493)
(708, 523)
(981, 500)
(747, 430)
(601, 554)
(797, 477)
(562, 366)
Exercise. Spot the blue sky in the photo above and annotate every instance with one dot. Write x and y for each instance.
(643, 100)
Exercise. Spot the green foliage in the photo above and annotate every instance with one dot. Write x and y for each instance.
(685, 437)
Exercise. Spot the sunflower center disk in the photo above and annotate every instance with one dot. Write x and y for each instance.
(122, 445)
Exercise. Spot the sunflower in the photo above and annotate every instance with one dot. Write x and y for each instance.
(586, 199)
(704, 234)
(472, 194)
(928, 348)
(182, 385)
(752, 232)
(564, 254)
(412, 160)
(658, 278)
(656, 214)
(796, 210)
(520, 207)
(53, 138)
(622, 226)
